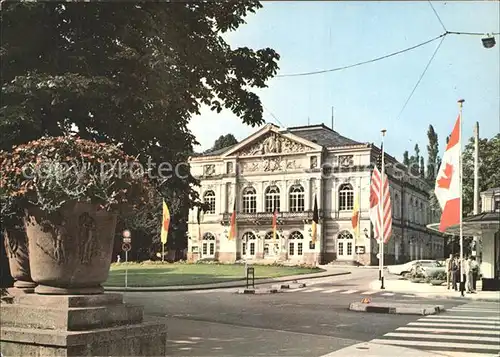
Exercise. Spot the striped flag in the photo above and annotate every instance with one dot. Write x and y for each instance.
(380, 203)
(315, 221)
(275, 224)
(232, 227)
(165, 223)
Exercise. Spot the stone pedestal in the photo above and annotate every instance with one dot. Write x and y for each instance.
(78, 325)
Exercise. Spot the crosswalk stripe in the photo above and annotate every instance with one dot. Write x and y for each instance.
(441, 337)
(330, 291)
(456, 325)
(409, 295)
(447, 330)
(475, 310)
(433, 344)
(473, 322)
(471, 317)
(371, 292)
(348, 291)
(387, 294)
(296, 289)
(312, 290)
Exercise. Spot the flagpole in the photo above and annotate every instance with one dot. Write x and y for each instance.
(462, 287)
(381, 210)
(162, 252)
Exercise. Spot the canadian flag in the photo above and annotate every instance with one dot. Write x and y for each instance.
(448, 181)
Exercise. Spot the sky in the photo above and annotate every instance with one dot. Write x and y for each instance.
(312, 35)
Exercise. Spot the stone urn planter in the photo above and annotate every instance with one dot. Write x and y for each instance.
(16, 247)
(70, 253)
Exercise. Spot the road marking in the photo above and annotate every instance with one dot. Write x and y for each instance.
(387, 294)
(441, 337)
(409, 296)
(444, 319)
(446, 330)
(450, 325)
(330, 291)
(312, 290)
(472, 317)
(494, 311)
(371, 292)
(463, 354)
(348, 292)
(293, 290)
(433, 344)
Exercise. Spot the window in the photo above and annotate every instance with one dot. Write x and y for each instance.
(297, 198)
(312, 245)
(497, 206)
(346, 197)
(209, 200)
(249, 200)
(341, 248)
(422, 213)
(272, 199)
(395, 214)
(349, 248)
(296, 239)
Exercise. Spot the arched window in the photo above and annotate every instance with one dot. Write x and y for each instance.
(422, 214)
(346, 197)
(249, 200)
(208, 245)
(271, 247)
(345, 243)
(209, 200)
(297, 203)
(411, 211)
(248, 243)
(296, 239)
(272, 199)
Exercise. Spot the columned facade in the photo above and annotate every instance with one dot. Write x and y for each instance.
(287, 170)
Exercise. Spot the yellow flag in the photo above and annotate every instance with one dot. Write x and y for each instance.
(165, 223)
(355, 217)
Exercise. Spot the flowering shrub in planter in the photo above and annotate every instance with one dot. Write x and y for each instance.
(70, 191)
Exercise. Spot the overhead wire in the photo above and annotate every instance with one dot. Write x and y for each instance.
(361, 63)
(437, 15)
(421, 76)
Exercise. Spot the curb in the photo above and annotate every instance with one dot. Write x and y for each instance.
(458, 297)
(237, 284)
(400, 310)
(257, 291)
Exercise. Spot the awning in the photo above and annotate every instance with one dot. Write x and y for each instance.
(475, 225)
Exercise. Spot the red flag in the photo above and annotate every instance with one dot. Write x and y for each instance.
(448, 181)
(232, 227)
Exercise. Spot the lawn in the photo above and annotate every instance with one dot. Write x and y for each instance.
(192, 274)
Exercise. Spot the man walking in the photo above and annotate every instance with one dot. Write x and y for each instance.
(475, 272)
(449, 271)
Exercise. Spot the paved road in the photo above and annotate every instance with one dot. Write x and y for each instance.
(222, 323)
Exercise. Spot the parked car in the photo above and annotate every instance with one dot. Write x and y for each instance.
(402, 269)
(432, 268)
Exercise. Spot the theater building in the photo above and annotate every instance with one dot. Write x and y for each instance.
(285, 170)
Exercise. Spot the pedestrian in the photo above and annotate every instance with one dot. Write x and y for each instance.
(456, 273)
(449, 271)
(475, 272)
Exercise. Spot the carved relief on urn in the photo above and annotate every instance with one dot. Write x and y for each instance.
(70, 253)
(16, 247)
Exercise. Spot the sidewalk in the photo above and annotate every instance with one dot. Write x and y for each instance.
(369, 349)
(429, 291)
(231, 284)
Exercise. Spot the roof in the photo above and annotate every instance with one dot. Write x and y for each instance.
(322, 135)
(493, 190)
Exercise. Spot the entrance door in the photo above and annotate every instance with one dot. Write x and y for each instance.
(208, 246)
(345, 246)
(249, 245)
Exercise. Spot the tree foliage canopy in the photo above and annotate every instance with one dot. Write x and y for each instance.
(223, 141)
(129, 73)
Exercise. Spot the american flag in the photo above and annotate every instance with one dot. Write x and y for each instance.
(380, 203)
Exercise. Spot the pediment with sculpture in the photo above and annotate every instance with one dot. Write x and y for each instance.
(273, 143)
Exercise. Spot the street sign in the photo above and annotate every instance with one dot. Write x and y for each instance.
(360, 249)
(378, 255)
(126, 233)
(366, 300)
(127, 240)
(126, 247)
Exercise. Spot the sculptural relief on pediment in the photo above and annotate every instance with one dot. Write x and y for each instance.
(271, 164)
(273, 144)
